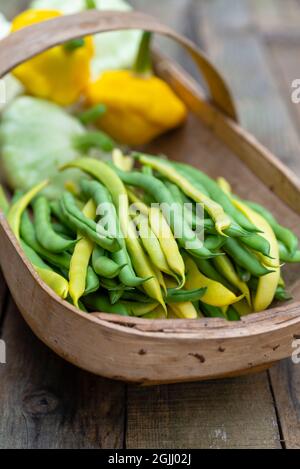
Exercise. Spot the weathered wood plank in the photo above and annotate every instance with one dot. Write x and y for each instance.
(47, 403)
(236, 413)
(285, 379)
(283, 53)
(3, 298)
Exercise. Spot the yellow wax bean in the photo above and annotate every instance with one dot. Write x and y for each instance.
(73, 188)
(281, 282)
(221, 219)
(143, 267)
(55, 281)
(216, 294)
(226, 268)
(80, 259)
(224, 184)
(151, 245)
(160, 278)
(267, 262)
(138, 204)
(16, 210)
(121, 161)
(224, 310)
(267, 284)
(184, 310)
(168, 243)
(107, 176)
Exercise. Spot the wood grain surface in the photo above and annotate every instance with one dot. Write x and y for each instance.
(48, 403)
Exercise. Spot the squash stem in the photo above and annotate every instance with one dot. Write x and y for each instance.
(90, 5)
(143, 62)
(74, 44)
(92, 114)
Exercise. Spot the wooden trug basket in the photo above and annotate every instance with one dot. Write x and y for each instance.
(163, 351)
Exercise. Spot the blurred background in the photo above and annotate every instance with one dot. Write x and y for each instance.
(256, 45)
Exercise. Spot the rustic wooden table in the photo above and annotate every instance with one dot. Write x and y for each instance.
(47, 403)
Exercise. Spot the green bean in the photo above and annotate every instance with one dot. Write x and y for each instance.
(257, 243)
(94, 139)
(101, 195)
(54, 280)
(103, 265)
(92, 281)
(176, 192)
(244, 258)
(214, 242)
(33, 257)
(210, 188)
(190, 215)
(115, 296)
(215, 192)
(232, 314)
(285, 256)
(99, 302)
(28, 235)
(286, 236)
(196, 222)
(193, 219)
(209, 270)
(114, 285)
(45, 234)
(57, 211)
(180, 296)
(62, 230)
(17, 196)
(215, 210)
(192, 180)
(233, 231)
(212, 311)
(62, 261)
(102, 199)
(147, 171)
(282, 294)
(91, 115)
(86, 226)
(162, 195)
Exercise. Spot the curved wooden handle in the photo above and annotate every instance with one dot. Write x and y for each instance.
(28, 42)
